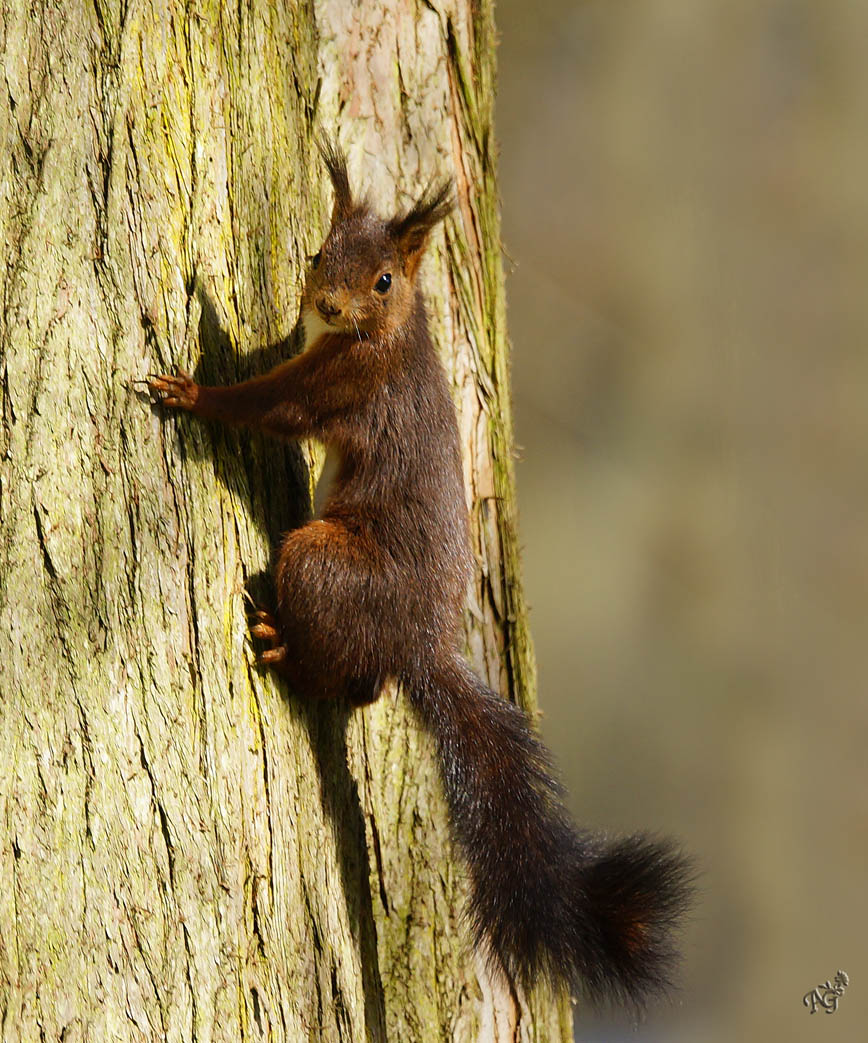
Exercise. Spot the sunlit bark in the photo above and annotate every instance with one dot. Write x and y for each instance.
(187, 851)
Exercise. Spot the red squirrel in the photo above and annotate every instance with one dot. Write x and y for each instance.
(372, 590)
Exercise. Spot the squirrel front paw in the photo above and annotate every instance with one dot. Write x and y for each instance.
(179, 392)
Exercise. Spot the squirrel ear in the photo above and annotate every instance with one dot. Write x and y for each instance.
(336, 164)
(410, 232)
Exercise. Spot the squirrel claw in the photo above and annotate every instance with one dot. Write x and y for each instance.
(267, 628)
(272, 655)
(178, 392)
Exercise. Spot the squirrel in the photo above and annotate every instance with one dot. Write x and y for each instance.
(373, 589)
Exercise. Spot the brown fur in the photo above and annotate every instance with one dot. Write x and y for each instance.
(389, 551)
(373, 589)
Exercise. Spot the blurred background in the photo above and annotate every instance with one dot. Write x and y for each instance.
(685, 208)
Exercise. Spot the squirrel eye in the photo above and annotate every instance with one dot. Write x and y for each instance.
(383, 283)
(317, 257)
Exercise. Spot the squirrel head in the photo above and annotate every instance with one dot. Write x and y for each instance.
(363, 279)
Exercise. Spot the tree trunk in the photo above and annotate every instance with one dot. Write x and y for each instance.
(187, 851)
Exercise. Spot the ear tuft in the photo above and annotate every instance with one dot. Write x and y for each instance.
(336, 163)
(411, 230)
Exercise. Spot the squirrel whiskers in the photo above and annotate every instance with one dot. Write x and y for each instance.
(373, 590)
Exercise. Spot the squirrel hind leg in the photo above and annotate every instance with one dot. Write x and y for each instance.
(358, 690)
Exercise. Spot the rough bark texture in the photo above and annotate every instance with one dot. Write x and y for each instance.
(187, 852)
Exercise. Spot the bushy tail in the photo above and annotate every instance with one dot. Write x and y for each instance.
(548, 900)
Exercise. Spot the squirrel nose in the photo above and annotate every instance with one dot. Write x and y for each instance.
(326, 308)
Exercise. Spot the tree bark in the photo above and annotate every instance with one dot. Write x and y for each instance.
(187, 851)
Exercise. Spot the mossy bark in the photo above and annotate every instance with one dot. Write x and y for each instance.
(186, 850)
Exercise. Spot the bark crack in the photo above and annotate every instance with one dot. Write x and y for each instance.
(43, 547)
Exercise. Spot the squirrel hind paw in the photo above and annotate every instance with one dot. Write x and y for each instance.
(265, 627)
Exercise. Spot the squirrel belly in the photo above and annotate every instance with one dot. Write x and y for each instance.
(373, 589)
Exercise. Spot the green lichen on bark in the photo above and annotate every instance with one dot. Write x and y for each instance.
(472, 76)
